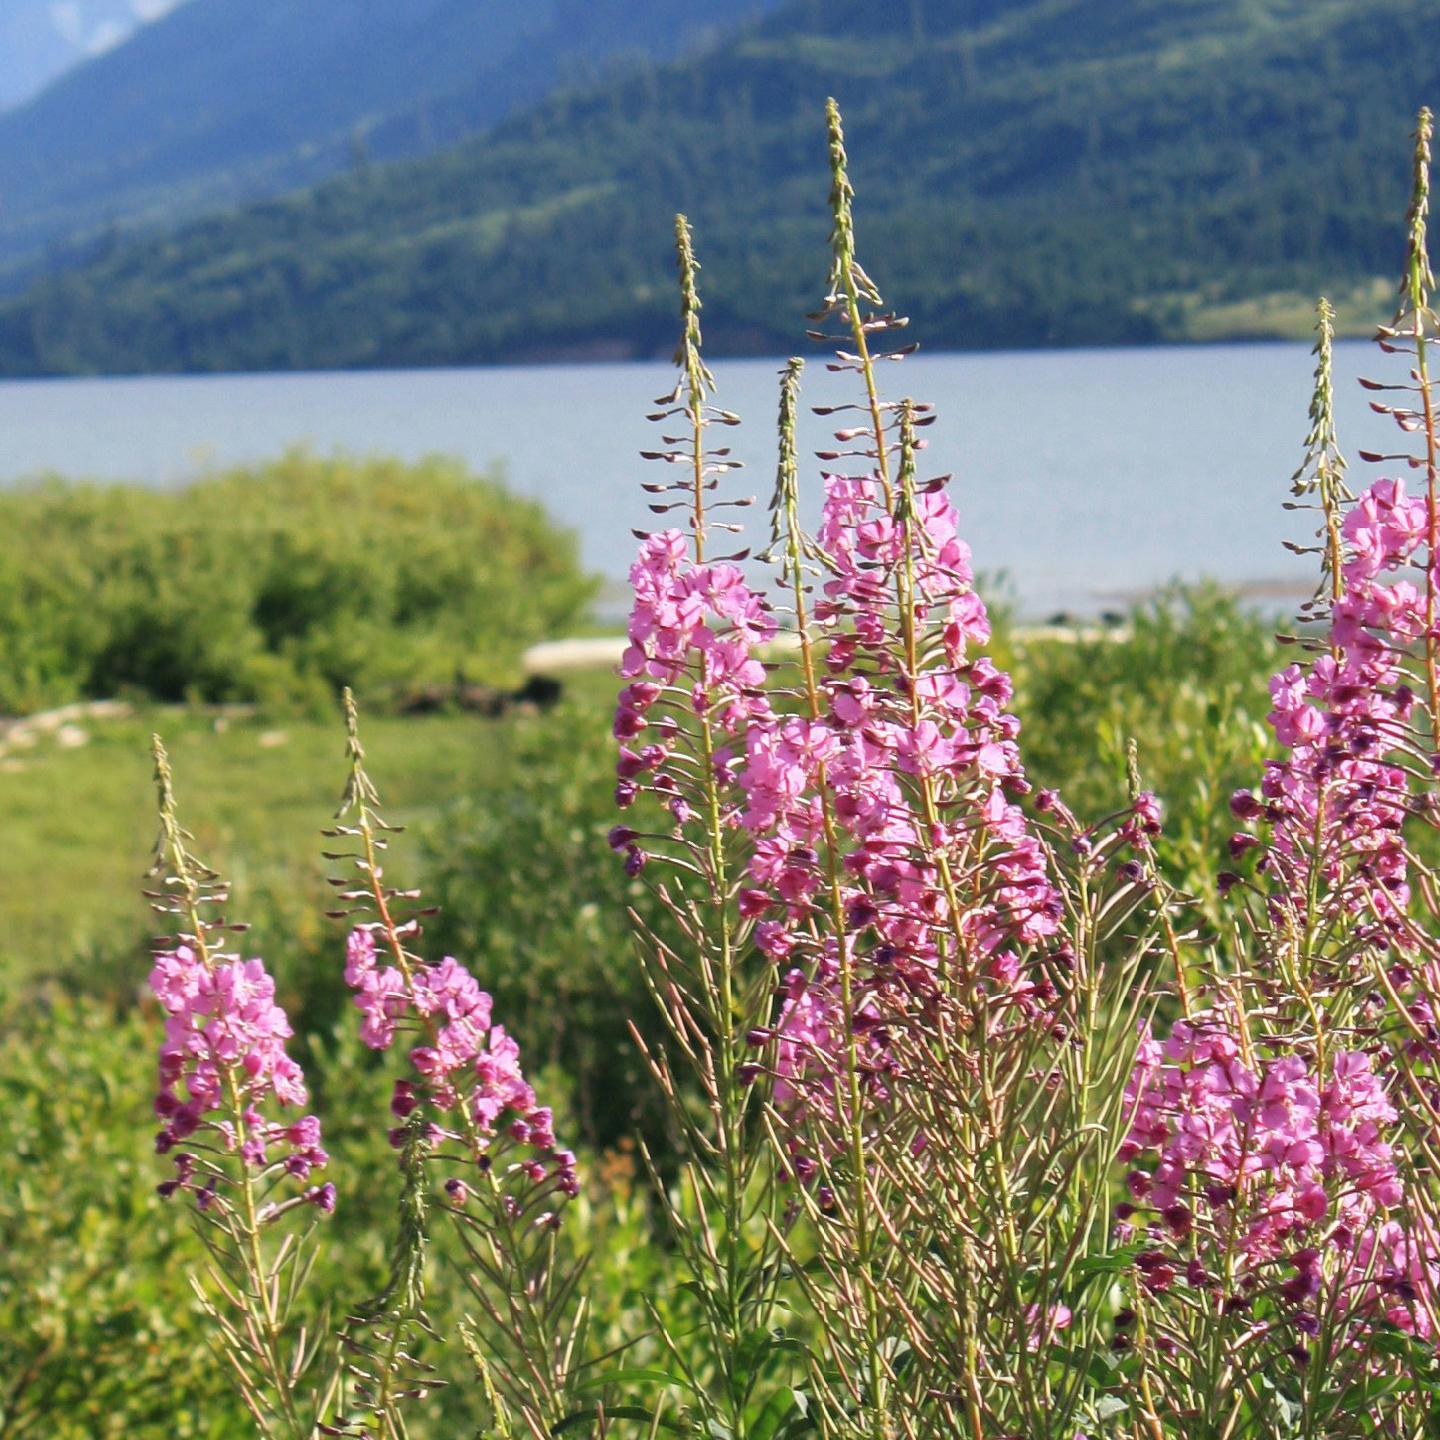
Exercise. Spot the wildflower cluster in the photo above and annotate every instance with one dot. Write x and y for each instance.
(224, 1069)
(1280, 1145)
(881, 902)
(469, 1067)
(1343, 718)
(693, 632)
(1298, 1163)
(225, 1048)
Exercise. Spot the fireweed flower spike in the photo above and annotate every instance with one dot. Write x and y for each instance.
(914, 916)
(1281, 1158)
(465, 1113)
(696, 690)
(249, 1168)
(1335, 805)
(1358, 724)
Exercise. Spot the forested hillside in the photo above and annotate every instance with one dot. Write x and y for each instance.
(1030, 172)
(222, 101)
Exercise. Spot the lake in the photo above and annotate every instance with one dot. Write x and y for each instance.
(1085, 478)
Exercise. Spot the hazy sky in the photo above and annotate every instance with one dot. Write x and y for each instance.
(40, 39)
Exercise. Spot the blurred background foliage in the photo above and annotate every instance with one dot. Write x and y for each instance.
(277, 583)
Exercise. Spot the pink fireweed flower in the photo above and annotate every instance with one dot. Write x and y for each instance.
(692, 632)
(877, 740)
(1396, 1275)
(808, 1048)
(224, 1048)
(1044, 1327)
(885, 750)
(1344, 721)
(465, 1065)
(691, 623)
(1299, 1169)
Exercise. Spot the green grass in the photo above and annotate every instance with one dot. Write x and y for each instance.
(1189, 685)
(79, 822)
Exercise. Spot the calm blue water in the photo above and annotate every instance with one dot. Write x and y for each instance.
(1084, 477)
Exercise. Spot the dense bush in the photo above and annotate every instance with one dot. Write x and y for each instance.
(1187, 682)
(528, 894)
(276, 584)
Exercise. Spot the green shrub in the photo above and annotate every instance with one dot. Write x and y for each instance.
(1188, 684)
(97, 1332)
(276, 584)
(529, 892)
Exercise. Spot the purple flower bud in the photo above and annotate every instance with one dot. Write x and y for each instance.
(627, 724)
(629, 765)
(1147, 810)
(1244, 805)
(1177, 1217)
(322, 1197)
(753, 903)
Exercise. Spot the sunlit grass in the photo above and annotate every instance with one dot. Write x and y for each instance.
(256, 793)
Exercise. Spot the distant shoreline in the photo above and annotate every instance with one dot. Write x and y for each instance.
(603, 356)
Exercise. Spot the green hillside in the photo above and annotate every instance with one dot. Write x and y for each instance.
(1031, 172)
(225, 101)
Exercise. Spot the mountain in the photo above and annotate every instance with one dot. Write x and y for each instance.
(1029, 172)
(223, 101)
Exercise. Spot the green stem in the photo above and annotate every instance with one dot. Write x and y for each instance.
(537, 1341)
(248, 1236)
